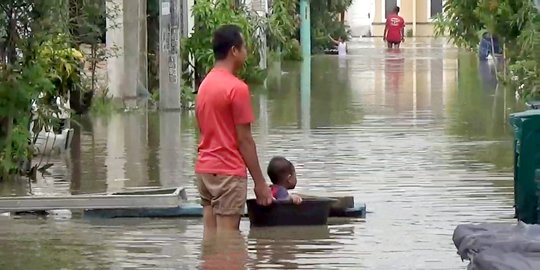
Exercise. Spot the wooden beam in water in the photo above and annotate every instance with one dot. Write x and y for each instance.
(159, 198)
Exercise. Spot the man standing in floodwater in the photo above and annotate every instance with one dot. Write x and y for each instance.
(224, 116)
(394, 29)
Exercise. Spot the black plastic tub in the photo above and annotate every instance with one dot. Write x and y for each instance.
(312, 211)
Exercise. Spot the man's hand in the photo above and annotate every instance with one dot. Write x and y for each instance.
(263, 194)
(403, 39)
(296, 199)
(247, 148)
(384, 38)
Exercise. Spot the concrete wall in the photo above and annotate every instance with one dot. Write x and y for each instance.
(359, 17)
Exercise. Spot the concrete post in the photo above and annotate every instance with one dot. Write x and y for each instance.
(126, 40)
(115, 44)
(169, 55)
(305, 28)
(134, 53)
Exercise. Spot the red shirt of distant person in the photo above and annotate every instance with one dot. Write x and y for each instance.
(394, 24)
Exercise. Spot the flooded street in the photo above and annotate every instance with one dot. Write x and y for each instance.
(419, 135)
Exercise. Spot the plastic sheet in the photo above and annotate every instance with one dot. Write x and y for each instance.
(499, 246)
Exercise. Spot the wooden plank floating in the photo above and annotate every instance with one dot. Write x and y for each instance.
(157, 198)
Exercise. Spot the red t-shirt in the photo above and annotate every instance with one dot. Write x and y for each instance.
(223, 101)
(394, 24)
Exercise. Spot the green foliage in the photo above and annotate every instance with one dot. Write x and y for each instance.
(517, 25)
(283, 25)
(103, 106)
(325, 21)
(88, 20)
(409, 33)
(187, 97)
(208, 17)
(338, 6)
(63, 62)
(38, 65)
(26, 75)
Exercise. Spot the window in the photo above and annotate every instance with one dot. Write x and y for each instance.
(436, 7)
(389, 5)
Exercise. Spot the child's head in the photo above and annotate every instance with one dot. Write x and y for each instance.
(281, 172)
(340, 39)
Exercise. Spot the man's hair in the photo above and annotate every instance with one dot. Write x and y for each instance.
(396, 9)
(278, 169)
(225, 38)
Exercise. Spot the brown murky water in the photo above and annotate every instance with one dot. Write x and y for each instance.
(420, 135)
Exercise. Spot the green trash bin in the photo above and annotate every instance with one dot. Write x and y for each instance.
(526, 127)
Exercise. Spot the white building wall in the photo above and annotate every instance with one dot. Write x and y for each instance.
(359, 17)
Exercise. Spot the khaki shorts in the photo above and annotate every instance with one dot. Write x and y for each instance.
(225, 193)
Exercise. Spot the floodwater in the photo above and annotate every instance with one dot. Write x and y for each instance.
(420, 135)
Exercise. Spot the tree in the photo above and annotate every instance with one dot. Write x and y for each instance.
(516, 23)
(39, 63)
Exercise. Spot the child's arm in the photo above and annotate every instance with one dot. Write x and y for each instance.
(286, 197)
(295, 199)
(333, 40)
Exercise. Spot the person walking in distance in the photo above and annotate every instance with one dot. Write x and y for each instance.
(341, 45)
(224, 116)
(394, 29)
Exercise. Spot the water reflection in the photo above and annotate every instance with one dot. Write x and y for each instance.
(305, 94)
(480, 109)
(224, 252)
(279, 248)
(420, 139)
(331, 94)
(170, 149)
(393, 70)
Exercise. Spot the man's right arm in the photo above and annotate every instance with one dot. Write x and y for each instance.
(248, 149)
(243, 116)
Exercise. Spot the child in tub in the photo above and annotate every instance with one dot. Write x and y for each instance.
(283, 176)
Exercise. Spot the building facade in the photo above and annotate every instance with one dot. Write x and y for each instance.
(418, 15)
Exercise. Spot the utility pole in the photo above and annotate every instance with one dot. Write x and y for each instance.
(169, 55)
(305, 28)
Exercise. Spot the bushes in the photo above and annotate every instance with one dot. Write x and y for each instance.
(325, 21)
(517, 25)
(208, 17)
(283, 26)
(38, 65)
